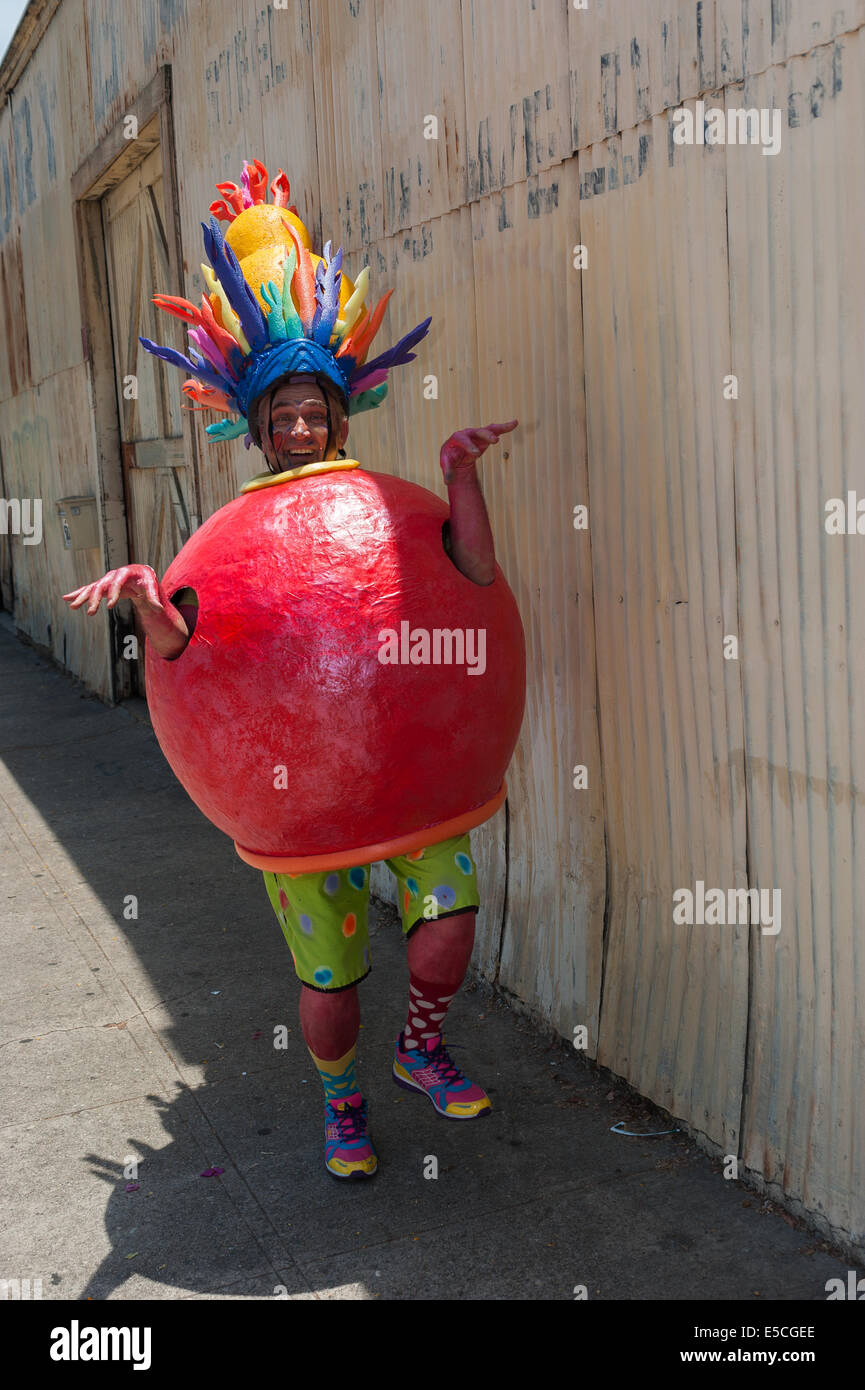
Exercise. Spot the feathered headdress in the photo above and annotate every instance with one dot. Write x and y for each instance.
(274, 309)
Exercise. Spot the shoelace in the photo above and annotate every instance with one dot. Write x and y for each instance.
(351, 1119)
(446, 1069)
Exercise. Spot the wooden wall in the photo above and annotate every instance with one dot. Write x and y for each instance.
(706, 513)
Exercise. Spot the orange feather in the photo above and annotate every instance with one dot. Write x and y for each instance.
(346, 348)
(364, 338)
(304, 279)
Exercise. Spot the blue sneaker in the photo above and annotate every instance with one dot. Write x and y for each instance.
(348, 1150)
(429, 1069)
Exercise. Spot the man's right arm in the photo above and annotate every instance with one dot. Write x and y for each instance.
(162, 622)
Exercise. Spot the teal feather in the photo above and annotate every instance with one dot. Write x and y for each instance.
(275, 321)
(367, 400)
(229, 429)
(293, 324)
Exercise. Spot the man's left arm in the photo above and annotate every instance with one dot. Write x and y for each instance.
(470, 536)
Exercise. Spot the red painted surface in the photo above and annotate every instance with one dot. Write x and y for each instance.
(294, 584)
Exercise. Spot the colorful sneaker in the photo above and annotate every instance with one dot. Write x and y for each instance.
(348, 1150)
(429, 1069)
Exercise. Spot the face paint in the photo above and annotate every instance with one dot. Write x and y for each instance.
(267, 441)
(280, 441)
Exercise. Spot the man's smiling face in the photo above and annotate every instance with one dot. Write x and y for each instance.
(298, 416)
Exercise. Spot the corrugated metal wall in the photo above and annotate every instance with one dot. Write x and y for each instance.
(706, 513)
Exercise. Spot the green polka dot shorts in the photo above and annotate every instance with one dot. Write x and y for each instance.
(324, 916)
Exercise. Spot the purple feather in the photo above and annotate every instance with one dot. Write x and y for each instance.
(197, 369)
(327, 294)
(367, 380)
(399, 354)
(215, 378)
(247, 198)
(205, 343)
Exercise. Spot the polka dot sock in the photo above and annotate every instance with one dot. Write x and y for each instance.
(337, 1077)
(426, 1010)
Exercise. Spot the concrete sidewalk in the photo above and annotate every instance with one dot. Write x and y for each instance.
(152, 1039)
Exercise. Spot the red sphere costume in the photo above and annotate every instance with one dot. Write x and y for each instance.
(295, 583)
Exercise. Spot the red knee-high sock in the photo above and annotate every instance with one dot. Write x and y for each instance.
(426, 1010)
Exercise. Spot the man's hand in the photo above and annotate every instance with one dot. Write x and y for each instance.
(136, 582)
(161, 621)
(458, 454)
(471, 539)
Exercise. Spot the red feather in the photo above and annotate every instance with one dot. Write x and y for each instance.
(281, 190)
(257, 181)
(233, 195)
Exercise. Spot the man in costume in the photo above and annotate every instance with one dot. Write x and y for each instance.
(295, 385)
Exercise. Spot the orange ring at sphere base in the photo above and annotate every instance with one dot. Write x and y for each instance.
(371, 854)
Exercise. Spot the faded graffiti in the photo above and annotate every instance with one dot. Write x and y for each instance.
(104, 69)
(48, 106)
(5, 193)
(610, 176)
(228, 73)
(22, 136)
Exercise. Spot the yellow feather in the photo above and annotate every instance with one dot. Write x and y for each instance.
(354, 305)
(230, 321)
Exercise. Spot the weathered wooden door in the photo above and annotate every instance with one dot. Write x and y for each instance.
(158, 484)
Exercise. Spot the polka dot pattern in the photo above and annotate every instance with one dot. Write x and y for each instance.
(444, 895)
(324, 915)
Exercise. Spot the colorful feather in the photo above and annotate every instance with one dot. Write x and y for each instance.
(227, 345)
(180, 308)
(303, 279)
(327, 293)
(275, 321)
(177, 359)
(399, 354)
(293, 325)
(347, 348)
(366, 380)
(240, 294)
(355, 302)
(208, 398)
(210, 351)
(232, 195)
(363, 339)
(281, 190)
(221, 210)
(227, 429)
(257, 180)
(230, 321)
(367, 400)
